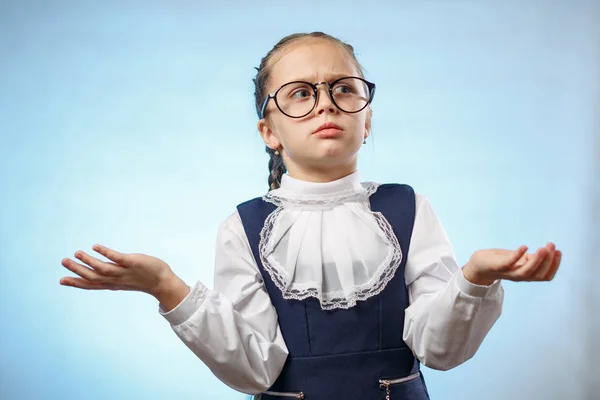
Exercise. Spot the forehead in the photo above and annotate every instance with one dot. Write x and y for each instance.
(311, 60)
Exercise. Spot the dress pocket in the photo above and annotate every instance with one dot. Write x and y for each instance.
(410, 387)
(269, 395)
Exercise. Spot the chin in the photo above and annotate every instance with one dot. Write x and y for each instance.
(335, 149)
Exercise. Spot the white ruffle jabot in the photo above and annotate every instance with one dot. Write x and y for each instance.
(323, 241)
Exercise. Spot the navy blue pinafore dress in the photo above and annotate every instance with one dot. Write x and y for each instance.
(346, 354)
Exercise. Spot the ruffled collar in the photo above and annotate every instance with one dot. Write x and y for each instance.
(323, 241)
(320, 194)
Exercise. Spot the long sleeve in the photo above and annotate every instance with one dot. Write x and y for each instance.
(448, 317)
(233, 329)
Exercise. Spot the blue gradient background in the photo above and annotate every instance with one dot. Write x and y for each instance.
(133, 126)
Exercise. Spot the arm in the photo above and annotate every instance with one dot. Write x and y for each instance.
(448, 316)
(233, 329)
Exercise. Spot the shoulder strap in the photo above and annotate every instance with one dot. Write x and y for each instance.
(398, 205)
(253, 214)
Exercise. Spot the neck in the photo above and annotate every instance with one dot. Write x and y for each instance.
(321, 175)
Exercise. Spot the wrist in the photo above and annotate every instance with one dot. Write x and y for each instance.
(475, 277)
(170, 291)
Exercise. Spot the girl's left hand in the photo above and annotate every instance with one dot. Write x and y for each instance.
(487, 266)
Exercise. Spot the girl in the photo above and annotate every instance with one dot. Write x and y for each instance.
(325, 287)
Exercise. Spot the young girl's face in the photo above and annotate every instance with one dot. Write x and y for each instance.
(303, 150)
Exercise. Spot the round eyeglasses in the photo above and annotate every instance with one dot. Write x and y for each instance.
(298, 99)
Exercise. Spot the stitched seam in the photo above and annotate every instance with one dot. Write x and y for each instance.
(307, 329)
(380, 322)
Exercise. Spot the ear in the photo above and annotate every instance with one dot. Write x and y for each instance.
(368, 122)
(267, 134)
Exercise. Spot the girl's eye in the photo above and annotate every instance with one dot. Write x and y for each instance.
(343, 89)
(301, 94)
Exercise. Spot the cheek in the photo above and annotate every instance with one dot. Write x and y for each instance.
(290, 132)
(358, 124)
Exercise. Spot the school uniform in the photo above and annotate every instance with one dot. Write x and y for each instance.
(335, 290)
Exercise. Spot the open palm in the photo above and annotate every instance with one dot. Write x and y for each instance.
(137, 272)
(514, 265)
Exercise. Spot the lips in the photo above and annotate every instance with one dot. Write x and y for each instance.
(327, 125)
(328, 130)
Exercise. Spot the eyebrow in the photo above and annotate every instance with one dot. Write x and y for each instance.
(328, 77)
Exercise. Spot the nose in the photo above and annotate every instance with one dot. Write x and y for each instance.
(324, 103)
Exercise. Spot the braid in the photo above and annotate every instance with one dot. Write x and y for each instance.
(276, 168)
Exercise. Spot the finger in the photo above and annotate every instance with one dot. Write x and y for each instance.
(543, 259)
(555, 265)
(81, 270)
(103, 268)
(542, 270)
(521, 261)
(519, 253)
(526, 271)
(515, 257)
(112, 255)
(85, 284)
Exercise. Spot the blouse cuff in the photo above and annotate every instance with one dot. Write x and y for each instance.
(188, 306)
(474, 290)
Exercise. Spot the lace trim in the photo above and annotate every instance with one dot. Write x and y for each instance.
(337, 299)
(325, 199)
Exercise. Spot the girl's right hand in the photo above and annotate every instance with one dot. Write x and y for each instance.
(134, 272)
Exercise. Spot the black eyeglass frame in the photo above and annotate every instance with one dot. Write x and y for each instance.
(273, 95)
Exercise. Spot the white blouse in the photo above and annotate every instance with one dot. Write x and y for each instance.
(323, 241)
